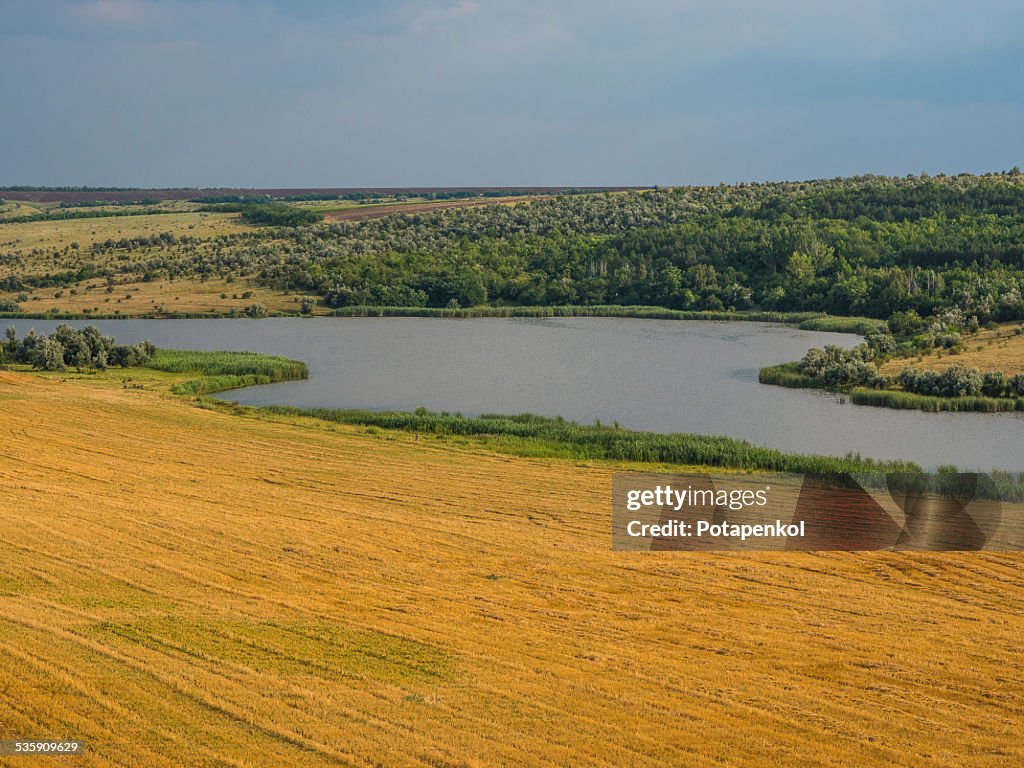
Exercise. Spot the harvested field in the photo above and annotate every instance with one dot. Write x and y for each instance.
(185, 587)
(56, 234)
(999, 349)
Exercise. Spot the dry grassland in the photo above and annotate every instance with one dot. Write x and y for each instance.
(184, 587)
(1000, 349)
(55, 235)
(12, 209)
(162, 297)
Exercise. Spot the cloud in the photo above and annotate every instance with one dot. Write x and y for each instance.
(121, 11)
(328, 92)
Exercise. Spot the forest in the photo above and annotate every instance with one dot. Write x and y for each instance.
(869, 246)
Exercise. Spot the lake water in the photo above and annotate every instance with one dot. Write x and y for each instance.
(663, 376)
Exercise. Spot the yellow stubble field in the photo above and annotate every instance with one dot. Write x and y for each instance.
(186, 587)
(996, 349)
(54, 235)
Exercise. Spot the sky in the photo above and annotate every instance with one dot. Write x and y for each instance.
(301, 93)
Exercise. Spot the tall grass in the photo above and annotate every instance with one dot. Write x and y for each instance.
(862, 326)
(531, 435)
(892, 398)
(788, 375)
(208, 385)
(225, 370)
(602, 310)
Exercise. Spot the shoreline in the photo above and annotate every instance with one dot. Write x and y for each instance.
(809, 321)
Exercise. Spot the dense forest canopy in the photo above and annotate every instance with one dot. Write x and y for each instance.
(868, 245)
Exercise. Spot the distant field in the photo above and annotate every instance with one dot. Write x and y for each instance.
(55, 235)
(189, 296)
(122, 195)
(13, 209)
(184, 587)
(363, 212)
(1001, 349)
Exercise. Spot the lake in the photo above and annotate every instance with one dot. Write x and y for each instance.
(658, 375)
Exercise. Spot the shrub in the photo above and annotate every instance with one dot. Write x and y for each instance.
(836, 367)
(1015, 386)
(993, 384)
(956, 381)
(882, 343)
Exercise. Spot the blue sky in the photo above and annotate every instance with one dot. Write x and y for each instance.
(504, 92)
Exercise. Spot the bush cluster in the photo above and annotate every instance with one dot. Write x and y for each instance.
(837, 368)
(961, 381)
(67, 347)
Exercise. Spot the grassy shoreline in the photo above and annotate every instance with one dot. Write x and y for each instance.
(810, 321)
(892, 398)
(521, 435)
(789, 375)
(221, 371)
(540, 436)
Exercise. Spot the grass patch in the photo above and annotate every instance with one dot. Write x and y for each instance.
(602, 310)
(788, 375)
(862, 326)
(326, 651)
(891, 398)
(225, 370)
(531, 435)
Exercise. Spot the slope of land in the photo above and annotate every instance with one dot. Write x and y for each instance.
(364, 212)
(863, 246)
(992, 349)
(138, 298)
(180, 586)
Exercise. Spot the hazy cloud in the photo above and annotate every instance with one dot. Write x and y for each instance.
(318, 92)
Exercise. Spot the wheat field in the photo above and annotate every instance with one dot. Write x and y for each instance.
(185, 587)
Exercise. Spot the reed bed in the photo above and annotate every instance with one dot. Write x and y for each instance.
(531, 435)
(225, 370)
(788, 375)
(892, 398)
(604, 310)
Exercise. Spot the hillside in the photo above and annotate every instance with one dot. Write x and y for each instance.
(185, 587)
(863, 246)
